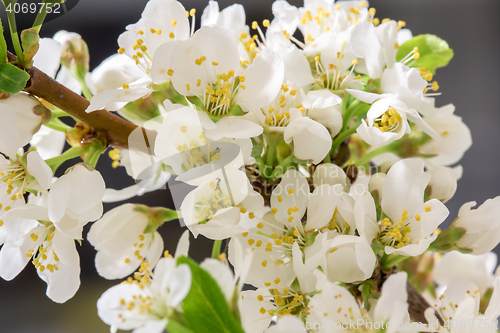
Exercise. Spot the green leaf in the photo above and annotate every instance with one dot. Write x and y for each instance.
(434, 52)
(205, 307)
(175, 327)
(12, 79)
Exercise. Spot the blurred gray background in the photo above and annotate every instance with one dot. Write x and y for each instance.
(471, 82)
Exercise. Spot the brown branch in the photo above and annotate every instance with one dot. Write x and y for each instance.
(113, 127)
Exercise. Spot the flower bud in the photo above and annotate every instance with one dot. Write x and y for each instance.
(30, 40)
(443, 183)
(75, 55)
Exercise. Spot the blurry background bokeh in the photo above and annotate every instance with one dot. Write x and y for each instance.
(471, 82)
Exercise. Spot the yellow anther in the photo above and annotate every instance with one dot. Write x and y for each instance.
(280, 198)
(260, 298)
(170, 72)
(212, 185)
(416, 56)
(121, 50)
(153, 31)
(262, 310)
(125, 86)
(183, 130)
(173, 23)
(242, 78)
(296, 233)
(260, 225)
(215, 63)
(251, 215)
(171, 35)
(264, 263)
(435, 86)
(251, 241)
(277, 281)
(266, 23)
(402, 24)
(188, 86)
(274, 210)
(127, 260)
(254, 25)
(192, 12)
(243, 210)
(372, 11)
(291, 191)
(354, 62)
(427, 209)
(363, 4)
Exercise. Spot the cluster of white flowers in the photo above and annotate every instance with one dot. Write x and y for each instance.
(321, 161)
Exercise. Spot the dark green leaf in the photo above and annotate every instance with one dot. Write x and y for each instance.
(12, 79)
(205, 307)
(434, 52)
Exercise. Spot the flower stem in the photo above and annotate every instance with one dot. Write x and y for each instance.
(85, 90)
(58, 125)
(40, 17)
(69, 154)
(216, 249)
(95, 151)
(14, 35)
(341, 137)
(387, 263)
(368, 156)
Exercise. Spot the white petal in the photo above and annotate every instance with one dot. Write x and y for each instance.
(322, 204)
(113, 100)
(179, 285)
(264, 78)
(48, 57)
(39, 169)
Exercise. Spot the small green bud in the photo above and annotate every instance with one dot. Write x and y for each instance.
(30, 42)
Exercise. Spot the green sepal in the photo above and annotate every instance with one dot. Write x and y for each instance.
(196, 101)
(446, 240)
(283, 151)
(257, 149)
(167, 91)
(236, 110)
(434, 52)
(205, 309)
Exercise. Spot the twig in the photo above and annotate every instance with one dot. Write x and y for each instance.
(113, 127)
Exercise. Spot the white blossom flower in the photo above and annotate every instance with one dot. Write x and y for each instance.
(207, 66)
(162, 22)
(408, 221)
(231, 18)
(335, 307)
(146, 303)
(20, 117)
(221, 206)
(51, 243)
(443, 182)
(311, 140)
(482, 228)
(478, 269)
(75, 199)
(17, 176)
(455, 138)
(460, 304)
(48, 142)
(122, 242)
